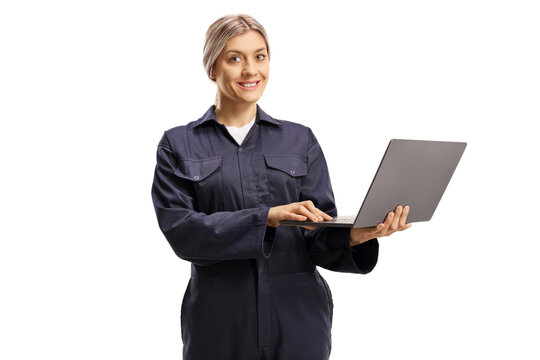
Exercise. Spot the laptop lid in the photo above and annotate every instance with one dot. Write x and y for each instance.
(411, 172)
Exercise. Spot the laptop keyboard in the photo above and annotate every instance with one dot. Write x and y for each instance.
(344, 220)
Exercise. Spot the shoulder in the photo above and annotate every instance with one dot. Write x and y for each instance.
(172, 137)
(177, 131)
(288, 137)
(297, 132)
(184, 130)
(180, 134)
(292, 128)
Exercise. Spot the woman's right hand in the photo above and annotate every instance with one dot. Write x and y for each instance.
(297, 211)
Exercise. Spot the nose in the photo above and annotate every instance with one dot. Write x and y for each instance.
(249, 68)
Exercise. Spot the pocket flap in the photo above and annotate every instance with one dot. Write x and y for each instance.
(197, 169)
(293, 165)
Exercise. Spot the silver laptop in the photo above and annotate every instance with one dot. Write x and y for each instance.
(411, 172)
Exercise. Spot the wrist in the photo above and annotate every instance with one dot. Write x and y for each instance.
(357, 239)
(271, 221)
(353, 243)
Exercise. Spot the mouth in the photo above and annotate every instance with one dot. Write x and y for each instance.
(249, 85)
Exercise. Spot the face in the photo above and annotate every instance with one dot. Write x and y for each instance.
(241, 70)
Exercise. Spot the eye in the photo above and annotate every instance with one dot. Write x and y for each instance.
(261, 57)
(234, 59)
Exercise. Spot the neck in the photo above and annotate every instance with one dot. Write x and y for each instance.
(235, 114)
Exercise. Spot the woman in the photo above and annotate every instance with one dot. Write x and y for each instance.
(221, 186)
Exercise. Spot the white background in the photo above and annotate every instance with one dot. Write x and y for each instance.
(88, 87)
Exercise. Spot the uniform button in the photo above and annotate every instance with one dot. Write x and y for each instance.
(240, 149)
(293, 172)
(196, 177)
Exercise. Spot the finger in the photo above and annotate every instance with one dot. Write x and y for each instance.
(293, 216)
(309, 227)
(315, 210)
(311, 207)
(301, 209)
(386, 224)
(381, 227)
(395, 221)
(377, 229)
(403, 218)
(324, 215)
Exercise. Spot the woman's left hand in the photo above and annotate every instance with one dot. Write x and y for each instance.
(395, 221)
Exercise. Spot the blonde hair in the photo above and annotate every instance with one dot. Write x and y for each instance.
(224, 29)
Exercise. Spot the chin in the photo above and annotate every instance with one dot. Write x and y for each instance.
(250, 99)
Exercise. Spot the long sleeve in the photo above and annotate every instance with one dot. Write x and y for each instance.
(201, 238)
(329, 246)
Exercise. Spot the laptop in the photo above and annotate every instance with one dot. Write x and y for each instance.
(411, 172)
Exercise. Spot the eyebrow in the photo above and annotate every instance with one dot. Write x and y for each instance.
(238, 51)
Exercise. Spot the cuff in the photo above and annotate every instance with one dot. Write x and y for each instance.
(268, 235)
(365, 255)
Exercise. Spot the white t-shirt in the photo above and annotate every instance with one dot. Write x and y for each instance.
(239, 133)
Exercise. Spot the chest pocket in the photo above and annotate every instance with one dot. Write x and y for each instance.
(204, 175)
(284, 173)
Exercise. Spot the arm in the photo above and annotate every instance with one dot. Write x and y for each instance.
(204, 239)
(330, 247)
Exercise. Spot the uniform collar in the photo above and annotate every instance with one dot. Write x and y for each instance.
(210, 115)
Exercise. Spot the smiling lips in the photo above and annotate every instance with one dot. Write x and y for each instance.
(249, 85)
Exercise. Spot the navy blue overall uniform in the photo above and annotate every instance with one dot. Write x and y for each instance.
(254, 291)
